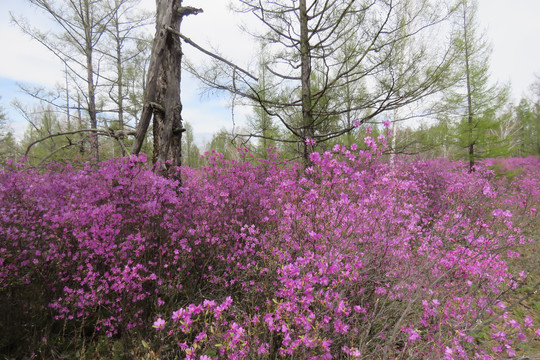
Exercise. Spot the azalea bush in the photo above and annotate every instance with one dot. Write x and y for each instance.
(352, 257)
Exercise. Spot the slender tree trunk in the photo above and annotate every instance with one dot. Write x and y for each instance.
(394, 135)
(90, 77)
(120, 85)
(305, 59)
(469, 93)
(68, 114)
(348, 101)
(120, 80)
(80, 123)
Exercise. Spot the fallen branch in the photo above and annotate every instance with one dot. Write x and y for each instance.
(117, 134)
(58, 150)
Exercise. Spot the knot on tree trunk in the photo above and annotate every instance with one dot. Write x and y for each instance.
(187, 10)
(178, 130)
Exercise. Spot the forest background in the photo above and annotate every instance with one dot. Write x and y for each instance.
(213, 120)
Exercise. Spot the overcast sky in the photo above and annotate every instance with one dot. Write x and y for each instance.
(512, 27)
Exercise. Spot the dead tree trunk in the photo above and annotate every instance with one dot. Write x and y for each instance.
(162, 96)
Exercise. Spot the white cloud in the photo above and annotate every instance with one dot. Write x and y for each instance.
(27, 62)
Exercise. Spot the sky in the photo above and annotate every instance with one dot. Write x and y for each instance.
(512, 27)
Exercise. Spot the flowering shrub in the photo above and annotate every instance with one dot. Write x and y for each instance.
(352, 257)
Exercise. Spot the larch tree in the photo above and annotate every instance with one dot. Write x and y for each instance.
(126, 47)
(261, 125)
(104, 58)
(8, 144)
(307, 38)
(3, 122)
(81, 25)
(190, 151)
(527, 117)
(476, 101)
(534, 122)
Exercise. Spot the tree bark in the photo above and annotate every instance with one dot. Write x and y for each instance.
(469, 91)
(90, 77)
(305, 60)
(162, 95)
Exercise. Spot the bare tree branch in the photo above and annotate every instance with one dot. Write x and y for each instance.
(217, 57)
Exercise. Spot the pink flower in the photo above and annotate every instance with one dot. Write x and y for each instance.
(360, 309)
(514, 324)
(413, 335)
(512, 254)
(159, 324)
(268, 318)
(200, 336)
(341, 327)
(528, 321)
(178, 314)
(263, 349)
(511, 352)
(499, 336)
(209, 304)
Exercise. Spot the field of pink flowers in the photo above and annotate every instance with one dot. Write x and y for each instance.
(354, 257)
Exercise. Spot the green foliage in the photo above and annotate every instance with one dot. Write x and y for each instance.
(528, 117)
(478, 104)
(190, 152)
(223, 142)
(9, 149)
(481, 129)
(261, 124)
(45, 122)
(428, 140)
(502, 170)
